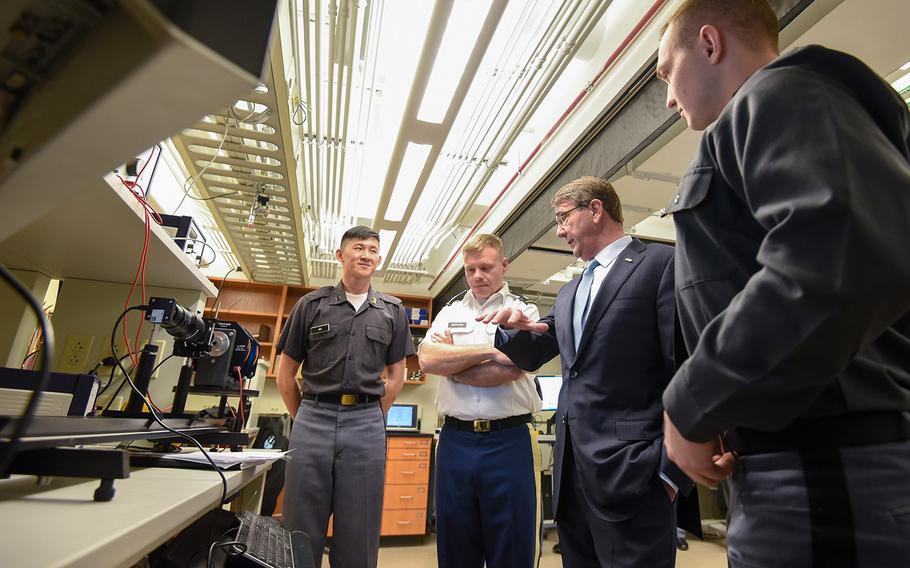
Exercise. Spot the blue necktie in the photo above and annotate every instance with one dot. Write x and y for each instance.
(583, 301)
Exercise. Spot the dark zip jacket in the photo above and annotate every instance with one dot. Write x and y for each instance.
(792, 262)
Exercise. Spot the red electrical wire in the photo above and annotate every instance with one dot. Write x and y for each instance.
(149, 213)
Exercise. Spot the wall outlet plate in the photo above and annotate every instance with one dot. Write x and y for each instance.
(75, 353)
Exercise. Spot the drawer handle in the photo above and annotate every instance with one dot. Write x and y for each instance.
(410, 454)
(407, 473)
(410, 443)
(406, 497)
(405, 522)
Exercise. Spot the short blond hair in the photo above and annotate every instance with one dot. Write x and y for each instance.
(584, 190)
(753, 21)
(481, 241)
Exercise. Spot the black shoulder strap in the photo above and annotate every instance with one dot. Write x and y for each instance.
(456, 297)
(524, 299)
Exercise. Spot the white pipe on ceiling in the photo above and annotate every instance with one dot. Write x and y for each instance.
(542, 81)
(471, 139)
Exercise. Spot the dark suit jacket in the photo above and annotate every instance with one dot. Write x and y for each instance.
(611, 393)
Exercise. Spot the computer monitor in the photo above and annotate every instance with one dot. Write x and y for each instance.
(403, 417)
(549, 387)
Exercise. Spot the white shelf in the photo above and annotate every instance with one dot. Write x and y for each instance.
(146, 70)
(98, 235)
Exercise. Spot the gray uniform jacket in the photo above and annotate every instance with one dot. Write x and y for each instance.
(344, 351)
(792, 270)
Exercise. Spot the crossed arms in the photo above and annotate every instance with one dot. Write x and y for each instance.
(476, 365)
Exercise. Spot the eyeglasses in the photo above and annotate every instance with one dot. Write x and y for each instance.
(563, 216)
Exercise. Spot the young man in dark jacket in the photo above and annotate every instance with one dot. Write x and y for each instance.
(793, 291)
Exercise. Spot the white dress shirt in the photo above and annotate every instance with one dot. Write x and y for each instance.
(467, 402)
(606, 257)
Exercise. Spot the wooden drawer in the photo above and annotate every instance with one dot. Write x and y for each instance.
(404, 521)
(400, 442)
(405, 497)
(417, 454)
(407, 472)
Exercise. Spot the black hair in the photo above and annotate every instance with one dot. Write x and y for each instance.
(360, 233)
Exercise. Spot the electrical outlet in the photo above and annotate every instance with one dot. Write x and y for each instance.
(161, 345)
(75, 352)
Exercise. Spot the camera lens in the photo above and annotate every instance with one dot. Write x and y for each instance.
(185, 325)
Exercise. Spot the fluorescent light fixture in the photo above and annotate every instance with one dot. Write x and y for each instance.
(902, 83)
(558, 277)
(386, 238)
(462, 29)
(566, 274)
(415, 157)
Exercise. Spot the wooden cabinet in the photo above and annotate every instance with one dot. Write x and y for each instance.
(407, 485)
(263, 310)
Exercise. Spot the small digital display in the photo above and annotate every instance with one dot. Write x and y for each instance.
(549, 388)
(402, 417)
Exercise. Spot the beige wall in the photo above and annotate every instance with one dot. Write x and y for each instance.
(90, 308)
(17, 320)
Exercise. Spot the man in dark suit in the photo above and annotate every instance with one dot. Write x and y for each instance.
(614, 486)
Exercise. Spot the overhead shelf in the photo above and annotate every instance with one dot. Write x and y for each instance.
(143, 72)
(98, 235)
(136, 73)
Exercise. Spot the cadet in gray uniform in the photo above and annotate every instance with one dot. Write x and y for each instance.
(346, 337)
(793, 291)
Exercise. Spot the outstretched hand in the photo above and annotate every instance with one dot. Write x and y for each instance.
(511, 318)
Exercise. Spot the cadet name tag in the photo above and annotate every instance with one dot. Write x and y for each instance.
(319, 329)
(458, 324)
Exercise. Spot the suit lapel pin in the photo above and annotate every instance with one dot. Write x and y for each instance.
(627, 259)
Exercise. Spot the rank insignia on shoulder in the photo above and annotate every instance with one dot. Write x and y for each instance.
(458, 324)
(319, 329)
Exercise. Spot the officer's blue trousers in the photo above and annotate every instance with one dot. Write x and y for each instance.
(488, 498)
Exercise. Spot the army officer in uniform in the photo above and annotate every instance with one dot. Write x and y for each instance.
(345, 336)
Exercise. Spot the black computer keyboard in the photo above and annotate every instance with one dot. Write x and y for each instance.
(267, 542)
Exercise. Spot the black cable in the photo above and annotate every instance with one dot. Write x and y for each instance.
(123, 382)
(163, 361)
(29, 356)
(148, 186)
(119, 387)
(190, 560)
(221, 286)
(110, 378)
(114, 396)
(237, 548)
(204, 245)
(213, 197)
(9, 451)
(154, 414)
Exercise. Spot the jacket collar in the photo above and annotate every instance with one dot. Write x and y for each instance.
(340, 296)
(502, 293)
